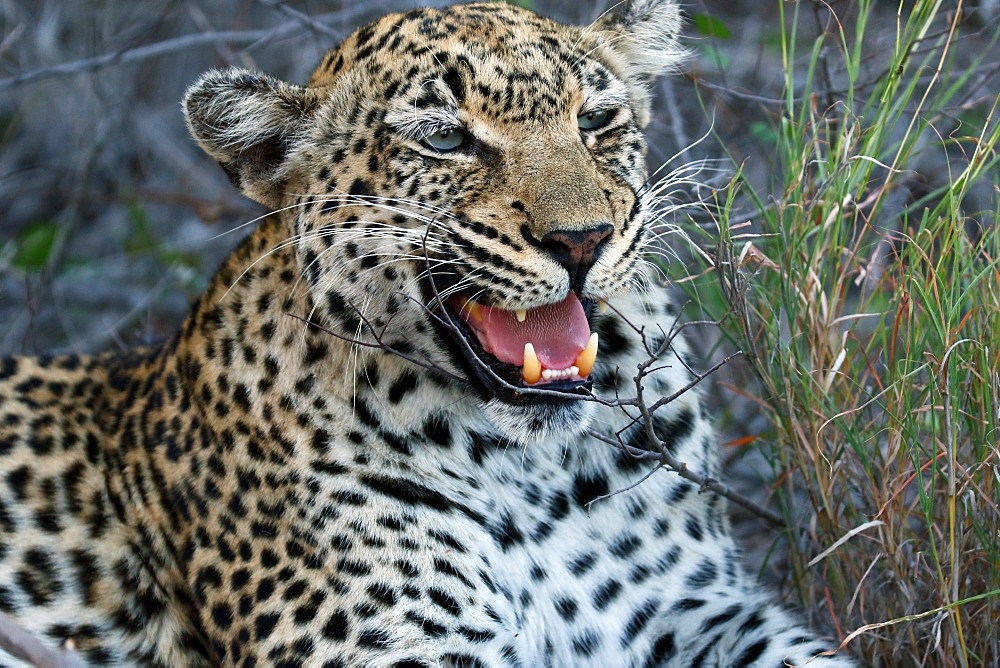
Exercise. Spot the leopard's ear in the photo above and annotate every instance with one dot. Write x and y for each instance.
(642, 39)
(248, 122)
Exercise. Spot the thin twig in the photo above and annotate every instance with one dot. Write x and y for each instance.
(602, 497)
(663, 401)
(698, 378)
(630, 450)
(442, 315)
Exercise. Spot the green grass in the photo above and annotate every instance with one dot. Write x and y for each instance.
(873, 329)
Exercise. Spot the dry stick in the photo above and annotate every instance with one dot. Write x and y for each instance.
(671, 463)
(666, 460)
(681, 468)
(663, 401)
(148, 51)
(986, 70)
(674, 113)
(304, 19)
(138, 53)
(631, 450)
(21, 644)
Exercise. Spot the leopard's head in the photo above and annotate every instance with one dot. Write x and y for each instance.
(462, 186)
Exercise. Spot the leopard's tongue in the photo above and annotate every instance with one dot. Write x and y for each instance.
(558, 332)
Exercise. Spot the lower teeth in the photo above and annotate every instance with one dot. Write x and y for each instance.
(559, 374)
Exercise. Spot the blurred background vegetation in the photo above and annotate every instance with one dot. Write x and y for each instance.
(843, 234)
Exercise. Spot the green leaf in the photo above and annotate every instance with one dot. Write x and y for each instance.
(34, 246)
(709, 26)
(140, 239)
(764, 132)
(718, 57)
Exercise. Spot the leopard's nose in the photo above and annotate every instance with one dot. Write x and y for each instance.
(576, 250)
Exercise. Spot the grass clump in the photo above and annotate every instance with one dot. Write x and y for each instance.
(865, 294)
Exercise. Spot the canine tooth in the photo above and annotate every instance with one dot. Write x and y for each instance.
(602, 306)
(531, 372)
(585, 362)
(521, 314)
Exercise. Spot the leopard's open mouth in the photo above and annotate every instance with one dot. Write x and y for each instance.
(525, 355)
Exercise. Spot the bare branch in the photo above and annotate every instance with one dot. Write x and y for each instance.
(657, 449)
(304, 19)
(712, 485)
(183, 43)
(20, 643)
(138, 53)
(681, 468)
(645, 370)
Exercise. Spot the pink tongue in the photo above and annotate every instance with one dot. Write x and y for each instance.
(558, 332)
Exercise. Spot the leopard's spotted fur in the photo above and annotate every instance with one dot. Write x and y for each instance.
(259, 491)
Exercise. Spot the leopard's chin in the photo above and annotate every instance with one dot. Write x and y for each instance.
(527, 424)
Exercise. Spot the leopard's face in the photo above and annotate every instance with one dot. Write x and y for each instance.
(463, 187)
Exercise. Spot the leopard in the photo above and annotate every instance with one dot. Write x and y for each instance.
(402, 425)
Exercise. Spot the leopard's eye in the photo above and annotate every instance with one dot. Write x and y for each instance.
(593, 120)
(447, 139)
